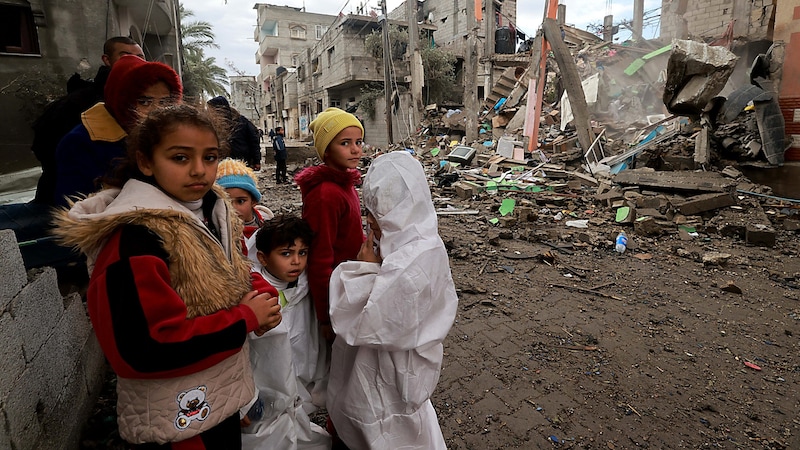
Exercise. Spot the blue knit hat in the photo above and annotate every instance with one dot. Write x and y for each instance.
(235, 174)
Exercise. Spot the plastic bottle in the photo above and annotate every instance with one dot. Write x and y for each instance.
(622, 242)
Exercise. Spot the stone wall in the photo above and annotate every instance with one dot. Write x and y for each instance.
(52, 367)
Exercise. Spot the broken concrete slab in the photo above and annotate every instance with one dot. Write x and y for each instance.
(705, 202)
(702, 148)
(715, 258)
(696, 72)
(676, 181)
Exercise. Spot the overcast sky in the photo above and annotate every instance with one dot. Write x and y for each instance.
(234, 21)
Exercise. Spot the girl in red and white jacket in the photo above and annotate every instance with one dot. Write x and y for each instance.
(170, 296)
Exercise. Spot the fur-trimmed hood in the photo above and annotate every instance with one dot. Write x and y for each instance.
(194, 253)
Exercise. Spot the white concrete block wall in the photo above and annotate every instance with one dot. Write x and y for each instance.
(52, 366)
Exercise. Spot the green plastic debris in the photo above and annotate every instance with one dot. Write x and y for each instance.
(435, 151)
(622, 213)
(494, 221)
(507, 206)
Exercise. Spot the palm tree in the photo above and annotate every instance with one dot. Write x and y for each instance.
(202, 77)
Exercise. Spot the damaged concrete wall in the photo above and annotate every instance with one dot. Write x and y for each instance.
(787, 32)
(683, 19)
(53, 366)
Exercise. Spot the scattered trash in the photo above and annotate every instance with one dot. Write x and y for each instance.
(752, 366)
(621, 243)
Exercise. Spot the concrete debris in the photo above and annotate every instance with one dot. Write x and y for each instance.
(696, 73)
(649, 147)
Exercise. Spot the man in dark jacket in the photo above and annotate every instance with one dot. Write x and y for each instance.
(280, 156)
(64, 114)
(244, 141)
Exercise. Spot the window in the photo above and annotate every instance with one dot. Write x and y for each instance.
(295, 60)
(331, 52)
(17, 30)
(336, 103)
(315, 65)
(297, 32)
(270, 28)
(319, 31)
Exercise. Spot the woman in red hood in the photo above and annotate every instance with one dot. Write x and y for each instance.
(90, 150)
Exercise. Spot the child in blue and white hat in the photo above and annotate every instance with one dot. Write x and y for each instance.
(242, 186)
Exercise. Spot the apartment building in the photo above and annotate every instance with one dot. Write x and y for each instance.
(334, 69)
(283, 34)
(246, 98)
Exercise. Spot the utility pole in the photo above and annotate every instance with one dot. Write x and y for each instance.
(490, 27)
(638, 19)
(471, 103)
(415, 62)
(387, 76)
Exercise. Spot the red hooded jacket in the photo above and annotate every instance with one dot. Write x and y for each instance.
(333, 210)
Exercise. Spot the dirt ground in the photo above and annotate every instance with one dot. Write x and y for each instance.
(561, 342)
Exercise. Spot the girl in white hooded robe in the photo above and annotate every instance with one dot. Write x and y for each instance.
(391, 311)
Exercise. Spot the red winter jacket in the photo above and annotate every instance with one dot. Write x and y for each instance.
(333, 210)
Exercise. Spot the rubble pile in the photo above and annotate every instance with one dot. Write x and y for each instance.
(662, 163)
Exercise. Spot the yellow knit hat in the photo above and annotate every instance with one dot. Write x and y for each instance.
(328, 124)
(232, 173)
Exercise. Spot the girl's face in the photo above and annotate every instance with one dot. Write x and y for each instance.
(344, 152)
(286, 262)
(243, 203)
(184, 163)
(156, 95)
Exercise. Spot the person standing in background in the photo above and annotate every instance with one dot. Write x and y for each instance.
(279, 146)
(244, 141)
(62, 115)
(92, 149)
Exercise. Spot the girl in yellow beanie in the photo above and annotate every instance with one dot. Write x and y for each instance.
(331, 204)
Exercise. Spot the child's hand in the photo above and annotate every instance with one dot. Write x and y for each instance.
(327, 332)
(367, 252)
(266, 308)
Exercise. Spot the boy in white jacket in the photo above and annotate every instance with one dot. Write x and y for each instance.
(391, 310)
(288, 361)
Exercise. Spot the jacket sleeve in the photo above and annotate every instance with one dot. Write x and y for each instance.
(407, 302)
(141, 321)
(321, 208)
(76, 169)
(261, 285)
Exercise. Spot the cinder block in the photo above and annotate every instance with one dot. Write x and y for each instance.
(20, 410)
(11, 355)
(74, 402)
(12, 267)
(55, 361)
(74, 327)
(38, 308)
(5, 437)
(647, 226)
(758, 234)
(94, 365)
